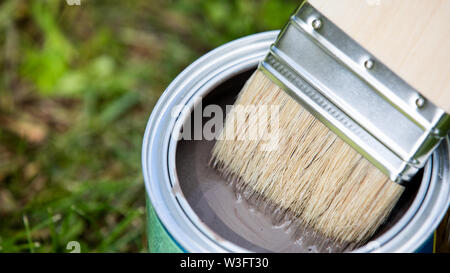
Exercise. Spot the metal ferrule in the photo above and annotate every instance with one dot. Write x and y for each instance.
(355, 95)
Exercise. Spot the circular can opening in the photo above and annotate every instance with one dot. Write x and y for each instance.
(198, 208)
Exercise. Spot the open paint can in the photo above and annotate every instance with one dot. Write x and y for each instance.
(192, 209)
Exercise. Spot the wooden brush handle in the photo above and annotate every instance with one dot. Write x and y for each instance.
(411, 37)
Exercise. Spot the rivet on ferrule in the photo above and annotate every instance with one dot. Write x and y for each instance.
(316, 23)
(368, 64)
(420, 102)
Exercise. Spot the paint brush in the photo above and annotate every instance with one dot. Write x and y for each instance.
(362, 89)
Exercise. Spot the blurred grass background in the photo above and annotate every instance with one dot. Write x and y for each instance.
(77, 85)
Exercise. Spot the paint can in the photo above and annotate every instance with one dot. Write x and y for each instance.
(190, 210)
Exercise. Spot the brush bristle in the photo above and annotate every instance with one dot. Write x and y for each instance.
(311, 174)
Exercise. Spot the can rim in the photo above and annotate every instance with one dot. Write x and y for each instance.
(159, 147)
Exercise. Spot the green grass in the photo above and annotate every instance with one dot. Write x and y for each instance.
(76, 88)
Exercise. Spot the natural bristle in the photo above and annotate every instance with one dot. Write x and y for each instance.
(311, 173)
